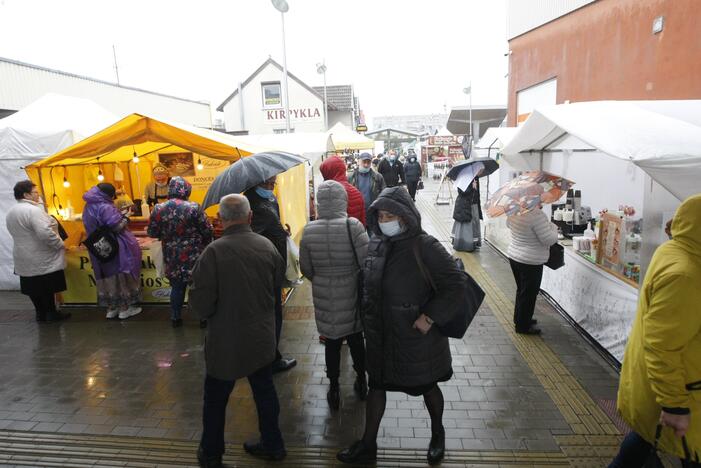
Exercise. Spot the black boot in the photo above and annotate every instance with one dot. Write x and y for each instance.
(436, 448)
(361, 386)
(213, 461)
(359, 452)
(333, 396)
(57, 316)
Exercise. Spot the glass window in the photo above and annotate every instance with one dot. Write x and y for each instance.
(272, 95)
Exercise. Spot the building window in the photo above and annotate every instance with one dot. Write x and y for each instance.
(272, 95)
(282, 130)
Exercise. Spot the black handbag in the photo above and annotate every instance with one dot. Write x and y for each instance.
(557, 257)
(420, 185)
(61, 231)
(102, 244)
(653, 460)
(469, 302)
(359, 278)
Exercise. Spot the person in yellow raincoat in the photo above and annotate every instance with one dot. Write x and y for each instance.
(661, 373)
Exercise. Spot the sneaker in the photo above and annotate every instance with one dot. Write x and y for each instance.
(112, 313)
(130, 312)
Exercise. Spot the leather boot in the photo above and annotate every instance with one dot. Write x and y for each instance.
(334, 397)
(436, 448)
(358, 453)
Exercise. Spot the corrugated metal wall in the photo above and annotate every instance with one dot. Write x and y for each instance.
(524, 15)
(20, 85)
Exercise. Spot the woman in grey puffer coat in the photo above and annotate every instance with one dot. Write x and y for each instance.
(332, 249)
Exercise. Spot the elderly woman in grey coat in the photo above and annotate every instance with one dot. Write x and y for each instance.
(331, 252)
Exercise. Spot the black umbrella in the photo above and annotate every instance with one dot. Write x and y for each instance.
(490, 166)
(248, 172)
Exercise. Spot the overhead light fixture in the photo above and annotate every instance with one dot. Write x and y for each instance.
(100, 177)
(658, 25)
(135, 159)
(199, 164)
(66, 184)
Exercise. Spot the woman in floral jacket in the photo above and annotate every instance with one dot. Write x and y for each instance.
(185, 231)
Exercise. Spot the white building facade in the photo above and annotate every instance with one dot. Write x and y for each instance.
(22, 84)
(257, 106)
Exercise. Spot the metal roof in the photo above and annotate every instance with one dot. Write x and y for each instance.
(95, 80)
(339, 96)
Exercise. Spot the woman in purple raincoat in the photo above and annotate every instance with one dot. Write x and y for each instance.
(185, 231)
(118, 282)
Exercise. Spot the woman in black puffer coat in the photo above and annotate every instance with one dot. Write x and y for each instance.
(405, 350)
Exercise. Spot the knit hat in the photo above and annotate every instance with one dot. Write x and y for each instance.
(159, 168)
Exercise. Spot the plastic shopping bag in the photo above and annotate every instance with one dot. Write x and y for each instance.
(157, 258)
(293, 275)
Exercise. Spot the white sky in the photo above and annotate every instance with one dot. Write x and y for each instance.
(402, 56)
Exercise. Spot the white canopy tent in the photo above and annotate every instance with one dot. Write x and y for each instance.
(48, 125)
(311, 146)
(663, 138)
(345, 138)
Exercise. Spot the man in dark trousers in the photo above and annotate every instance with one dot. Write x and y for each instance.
(412, 172)
(365, 179)
(266, 222)
(392, 170)
(233, 287)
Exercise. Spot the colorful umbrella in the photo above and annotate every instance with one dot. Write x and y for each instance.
(526, 192)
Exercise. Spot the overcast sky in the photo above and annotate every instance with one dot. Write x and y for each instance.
(402, 56)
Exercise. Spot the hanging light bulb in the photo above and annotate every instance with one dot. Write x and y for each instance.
(66, 184)
(100, 177)
(199, 164)
(135, 159)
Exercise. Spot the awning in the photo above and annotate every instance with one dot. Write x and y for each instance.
(344, 138)
(667, 148)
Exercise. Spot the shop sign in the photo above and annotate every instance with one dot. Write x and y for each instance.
(361, 128)
(455, 153)
(444, 140)
(211, 168)
(295, 114)
(82, 287)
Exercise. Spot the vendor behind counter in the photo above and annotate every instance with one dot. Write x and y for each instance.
(157, 191)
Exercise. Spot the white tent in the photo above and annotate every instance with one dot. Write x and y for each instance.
(345, 138)
(496, 138)
(311, 146)
(663, 138)
(48, 125)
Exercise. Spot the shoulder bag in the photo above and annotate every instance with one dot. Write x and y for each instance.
(102, 244)
(557, 257)
(359, 276)
(469, 302)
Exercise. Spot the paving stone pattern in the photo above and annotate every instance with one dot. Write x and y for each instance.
(142, 378)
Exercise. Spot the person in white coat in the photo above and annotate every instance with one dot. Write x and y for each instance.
(332, 250)
(38, 251)
(532, 234)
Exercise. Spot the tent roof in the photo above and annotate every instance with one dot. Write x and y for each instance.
(309, 145)
(146, 135)
(496, 137)
(345, 138)
(662, 137)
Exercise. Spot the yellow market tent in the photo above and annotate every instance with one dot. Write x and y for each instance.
(344, 138)
(125, 152)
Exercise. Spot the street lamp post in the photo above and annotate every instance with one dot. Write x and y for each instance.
(321, 69)
(468, 91)
(283, 7)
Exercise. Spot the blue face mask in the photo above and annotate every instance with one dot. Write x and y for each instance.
(391, 228)
(363, 170)
(265, 193)
(392, 158)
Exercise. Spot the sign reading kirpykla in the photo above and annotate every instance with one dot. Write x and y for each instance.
(361, 128)
(295, 114)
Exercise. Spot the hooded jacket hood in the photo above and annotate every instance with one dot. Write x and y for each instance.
(334, 169)
(686, 226)
(331, 200)
(397, 201)
(95, 195)
(179, 188)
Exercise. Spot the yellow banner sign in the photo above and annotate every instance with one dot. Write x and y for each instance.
(82, 287)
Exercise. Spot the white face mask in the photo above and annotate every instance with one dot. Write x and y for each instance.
(391, 228)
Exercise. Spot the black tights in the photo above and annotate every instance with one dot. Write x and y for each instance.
(375, 409)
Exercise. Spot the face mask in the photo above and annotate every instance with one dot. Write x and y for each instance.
(265, 193)
(363, 169)
(391, 228)
(392, 158)
(413, 160)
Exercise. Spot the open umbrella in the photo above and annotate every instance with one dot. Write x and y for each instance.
(464, 172)
(248, 172)
(526, 192)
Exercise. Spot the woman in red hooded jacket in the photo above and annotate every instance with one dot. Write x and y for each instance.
(335, 169)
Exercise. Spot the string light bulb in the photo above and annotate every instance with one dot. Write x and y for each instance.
(199, 164)
(100, 177)
(66, 184)
(135, 159)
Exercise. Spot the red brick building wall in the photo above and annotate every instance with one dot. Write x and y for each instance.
(607, 50)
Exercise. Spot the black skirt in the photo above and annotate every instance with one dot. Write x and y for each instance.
(412, 391)
(43, 284)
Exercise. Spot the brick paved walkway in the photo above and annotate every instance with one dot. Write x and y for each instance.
(96, 390)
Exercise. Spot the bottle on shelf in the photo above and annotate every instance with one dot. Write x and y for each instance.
(144, 209)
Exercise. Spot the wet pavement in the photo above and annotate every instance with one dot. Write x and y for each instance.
(513, 400)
